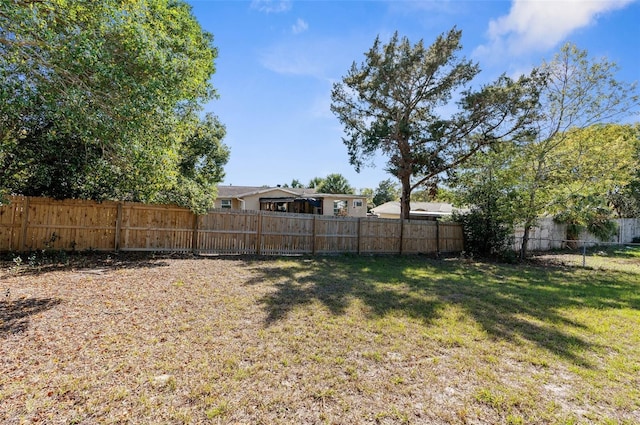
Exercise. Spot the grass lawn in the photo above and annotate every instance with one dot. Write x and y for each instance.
(624, 258)
(336, 340)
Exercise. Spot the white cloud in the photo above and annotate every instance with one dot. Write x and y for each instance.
(292, 59)
(271, 6)
(299, 26)
(537, 25)
(321, 58)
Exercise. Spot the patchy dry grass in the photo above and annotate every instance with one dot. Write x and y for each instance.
(343, 340)
(621, 258)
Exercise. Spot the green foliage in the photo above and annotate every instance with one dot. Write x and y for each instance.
(575, 164)
(625, 200)
(386, 191)
(391, 104)
(486, 183)
(100, 100)
(315, 182)
(485, 235)
(587, 213)
(201, 157)
(295, 184)
(574, 151)
(335, 183)
(433, 193)
(368, 193)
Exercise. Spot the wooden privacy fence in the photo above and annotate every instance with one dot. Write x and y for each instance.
(28, 224)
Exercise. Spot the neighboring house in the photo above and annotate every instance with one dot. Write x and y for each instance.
(293, 200)
(419, 210)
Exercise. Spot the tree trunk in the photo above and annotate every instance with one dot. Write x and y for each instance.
(405, 199)
(531, 215)
(525, 241)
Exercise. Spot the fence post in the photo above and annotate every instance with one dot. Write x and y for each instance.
(359, 233)
(314, 235)
(194, 235)
(25, 222)
(116, 244)
(12, 229)
(259, 234)
(437, 238)
(401, 235)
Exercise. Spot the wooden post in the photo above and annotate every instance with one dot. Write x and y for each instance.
(194, 235)
(401, 234)
(25, 222)
(313, 239)
(12, 229)
(437, 238)
(259, 234)
(359, 233)
(118, 226)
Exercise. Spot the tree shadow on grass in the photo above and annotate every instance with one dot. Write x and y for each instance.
(14, 314)
(335, 284)
(513, 303)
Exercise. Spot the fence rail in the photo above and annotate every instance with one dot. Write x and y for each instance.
(28, 224)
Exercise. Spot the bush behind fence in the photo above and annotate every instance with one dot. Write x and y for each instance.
(29, 224)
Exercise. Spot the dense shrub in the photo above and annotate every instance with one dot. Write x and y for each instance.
(485, 235)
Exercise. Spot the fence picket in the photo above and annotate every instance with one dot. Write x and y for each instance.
(40, 223)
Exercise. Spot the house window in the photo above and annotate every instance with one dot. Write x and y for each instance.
(357, 203)
(225, 203)
(340, 208)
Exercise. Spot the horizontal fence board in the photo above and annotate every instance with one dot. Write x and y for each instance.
(28, 224)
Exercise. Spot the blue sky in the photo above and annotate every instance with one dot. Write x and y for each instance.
(278, 59)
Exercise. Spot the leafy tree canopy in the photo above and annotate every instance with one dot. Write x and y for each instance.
(575, 162)
(391, 104)
(295, 184)
(576, 147)
(580, 174)
(368, 193)
(315, 182)
(101, 99)
(335, 183)
(386, 191)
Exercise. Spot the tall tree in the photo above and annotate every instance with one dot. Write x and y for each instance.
(335, 183)
(386, 191)
(315, 182)
(392, 103)
(579, 92)
(99, 98)
(201, 158)
(487, 186)
(368, 193)
(579, 175)
(295, 184)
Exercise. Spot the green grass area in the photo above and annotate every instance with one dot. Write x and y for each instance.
(386, 340)
(511, 331)
(621, 258)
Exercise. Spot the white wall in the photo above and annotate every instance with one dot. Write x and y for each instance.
(551, 235)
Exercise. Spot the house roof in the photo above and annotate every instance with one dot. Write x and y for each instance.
(417, 208)
(339, 195)
(242, 191)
